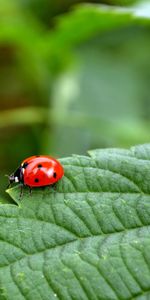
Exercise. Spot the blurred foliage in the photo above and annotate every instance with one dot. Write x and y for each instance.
(72, 78)
(46, 10)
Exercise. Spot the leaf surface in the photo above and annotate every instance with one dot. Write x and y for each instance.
(87, 239)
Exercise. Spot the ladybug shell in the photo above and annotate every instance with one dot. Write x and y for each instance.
(41, 171)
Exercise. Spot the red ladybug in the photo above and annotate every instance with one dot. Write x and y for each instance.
(38, 171)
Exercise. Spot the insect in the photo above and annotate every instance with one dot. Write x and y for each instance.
(38, 171)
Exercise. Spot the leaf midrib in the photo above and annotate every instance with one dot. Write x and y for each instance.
(104, 192)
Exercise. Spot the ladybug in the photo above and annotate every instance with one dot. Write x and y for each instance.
(38, 171)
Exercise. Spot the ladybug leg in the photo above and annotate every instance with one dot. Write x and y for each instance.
(8, 186)
(30, 190)
(53, 186)
(21, 192)
(46, 187)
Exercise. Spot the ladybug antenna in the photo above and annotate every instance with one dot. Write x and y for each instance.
(6, 175)
(11, 178)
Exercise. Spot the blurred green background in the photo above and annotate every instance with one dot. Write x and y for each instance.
(74, 76)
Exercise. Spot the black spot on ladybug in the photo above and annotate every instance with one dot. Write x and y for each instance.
(25, 165)
(54, 175)
(36, 180)
(39, 166)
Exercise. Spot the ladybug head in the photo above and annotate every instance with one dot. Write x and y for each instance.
(17, 176)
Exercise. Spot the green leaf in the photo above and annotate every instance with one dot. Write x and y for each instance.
(87, 239)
